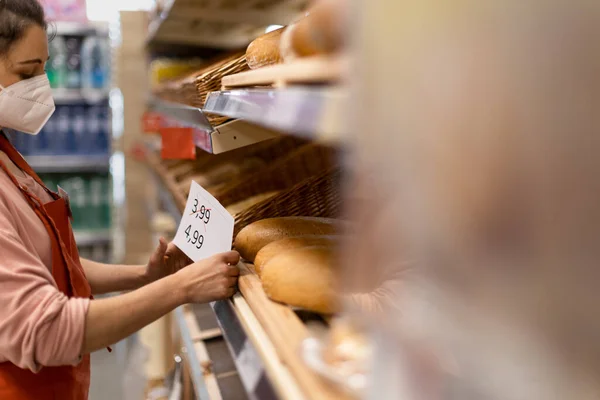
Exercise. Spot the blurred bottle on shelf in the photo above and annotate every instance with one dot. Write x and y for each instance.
(94, 207)
(59, 142)
(57, 65)
(98, 118)
(80, 130)
(106, 204)
(95, 67)
(73, 73)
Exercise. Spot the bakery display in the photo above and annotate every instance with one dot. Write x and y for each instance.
(302, 277)
(277, 247)
(255, 236)
(264, 50)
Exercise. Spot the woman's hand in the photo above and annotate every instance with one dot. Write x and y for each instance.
(166, 260)
(213, 278)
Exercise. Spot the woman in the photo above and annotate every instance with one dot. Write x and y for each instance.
(49, 322)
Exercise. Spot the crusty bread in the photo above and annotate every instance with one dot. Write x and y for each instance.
(264, 50)
(322, 31)
(302, 277)
(260, 233)
(273, 249)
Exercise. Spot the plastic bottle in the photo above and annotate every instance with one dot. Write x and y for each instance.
(95, 63)
(94, 205)
(106, 206)
(57, 65)
(62, 132)
(79, 131)
(48, 134)
(103, 139)
(94, 128)
(73, 46)
(79, 203)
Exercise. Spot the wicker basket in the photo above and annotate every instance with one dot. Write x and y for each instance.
(249, 160)
(319, 196)
(303, 163)
(193, 88)
(268, 150)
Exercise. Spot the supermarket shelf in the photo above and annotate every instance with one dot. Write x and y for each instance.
(80, 95)
(182, 115)
(246, 357)
(231, 26)
(80, 29)
(313, 113)
(90, 238)
(69, 163)
(225, 137)
(196, 373)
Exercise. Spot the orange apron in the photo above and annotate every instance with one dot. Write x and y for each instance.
(50, 383)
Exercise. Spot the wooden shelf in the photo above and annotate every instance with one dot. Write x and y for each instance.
(285, 332)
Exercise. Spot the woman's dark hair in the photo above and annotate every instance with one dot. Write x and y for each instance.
(15, 17)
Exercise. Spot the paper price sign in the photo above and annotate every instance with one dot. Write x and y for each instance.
(206, 228)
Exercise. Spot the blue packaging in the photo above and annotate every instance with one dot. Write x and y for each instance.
(61, 142)
(80, 138)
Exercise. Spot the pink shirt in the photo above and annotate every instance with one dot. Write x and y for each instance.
(39, 325)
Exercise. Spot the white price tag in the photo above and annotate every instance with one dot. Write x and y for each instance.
(206, 228)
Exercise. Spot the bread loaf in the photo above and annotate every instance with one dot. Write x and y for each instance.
(260, 233)
(264, 50)
(303, 278)
(322, 31)
(273, 249)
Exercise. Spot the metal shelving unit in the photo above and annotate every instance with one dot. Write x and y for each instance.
(196, 374)
(79, 95)
(69, 163)
(261, 114)
(245, 356)
(309, 112)
(222, 24)
(89, 238)
(68, 28)
(312, 113)
(225, 137)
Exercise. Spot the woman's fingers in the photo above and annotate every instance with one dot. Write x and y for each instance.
(230, 257)
(159, 252)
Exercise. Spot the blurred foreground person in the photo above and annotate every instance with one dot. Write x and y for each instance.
(482, 218)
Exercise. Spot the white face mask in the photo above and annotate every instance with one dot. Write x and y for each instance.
(27, 105)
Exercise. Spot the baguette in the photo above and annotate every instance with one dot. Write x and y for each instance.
(260, 233)
(302, 277)
(273, 249)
